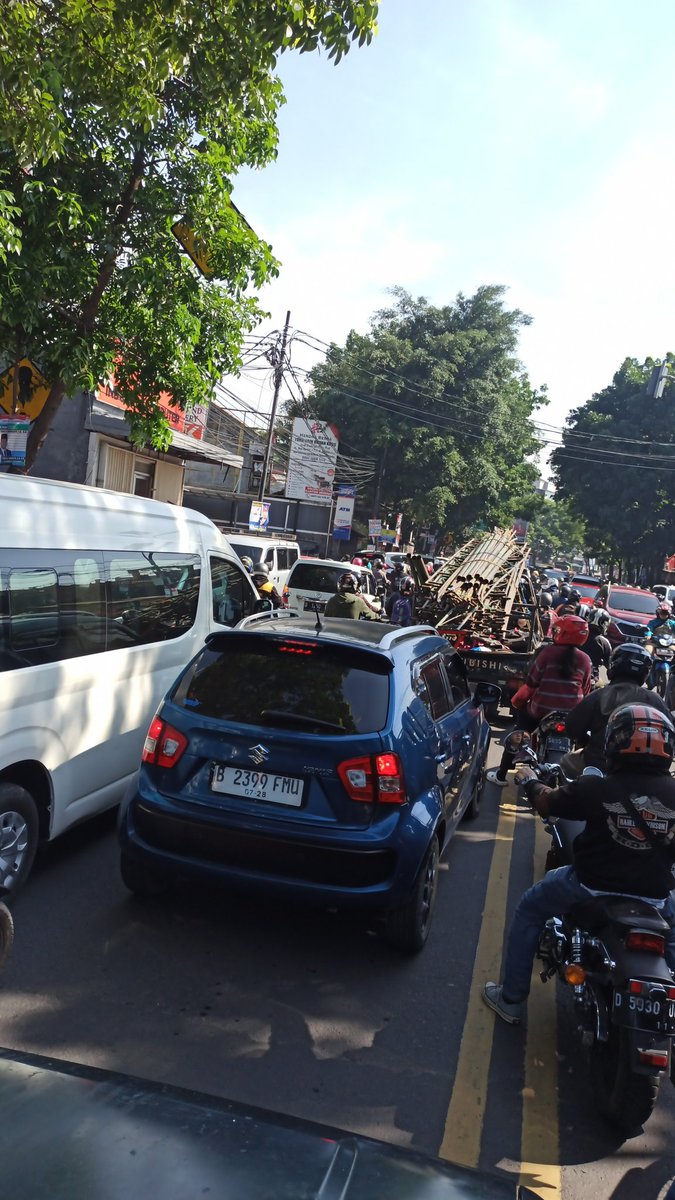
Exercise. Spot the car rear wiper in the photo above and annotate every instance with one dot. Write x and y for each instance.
(290, 718)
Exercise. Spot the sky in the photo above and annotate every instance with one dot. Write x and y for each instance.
(519, 142)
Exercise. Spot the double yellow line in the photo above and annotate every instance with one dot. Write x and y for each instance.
(464, 1122)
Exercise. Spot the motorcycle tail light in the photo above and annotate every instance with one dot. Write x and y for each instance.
(649, 943)
(575, 973)
(635, 987)
(655, 1058)
(670, 993)
(559, 726)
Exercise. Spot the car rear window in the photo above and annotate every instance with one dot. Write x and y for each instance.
(636, 602)
(293, 683)
(243, 550)
(316, 577)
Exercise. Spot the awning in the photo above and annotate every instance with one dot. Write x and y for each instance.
(193, 448)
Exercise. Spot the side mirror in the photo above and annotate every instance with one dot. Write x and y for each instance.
(487, 694)
(593, 771)
(263, 605)
(517, 740)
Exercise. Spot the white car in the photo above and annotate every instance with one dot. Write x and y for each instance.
(313, 581)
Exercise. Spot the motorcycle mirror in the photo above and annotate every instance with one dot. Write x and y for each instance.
(593, 771)
(517, 740)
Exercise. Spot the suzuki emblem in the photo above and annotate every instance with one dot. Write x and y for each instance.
(258, 754)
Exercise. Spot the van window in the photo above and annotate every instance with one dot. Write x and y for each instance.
(315, 577)
(232, 596)
(244, 550)
(33, 609)
(151, 597)
(293, 555)
(269, 557)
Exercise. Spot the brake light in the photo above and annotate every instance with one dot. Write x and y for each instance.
(559, 727)
(649, 943)
(654, 1058)
(379, 778)
(164, 745)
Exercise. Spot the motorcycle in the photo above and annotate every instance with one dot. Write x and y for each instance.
(610, 950)
(551, 739)
(663, 653)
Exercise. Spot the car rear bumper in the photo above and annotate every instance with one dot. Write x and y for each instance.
(360, 868)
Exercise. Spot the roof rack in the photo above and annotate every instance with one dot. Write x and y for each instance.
(275, 615)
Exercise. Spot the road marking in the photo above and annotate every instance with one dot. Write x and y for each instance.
(464, 1121)
(540, 1145)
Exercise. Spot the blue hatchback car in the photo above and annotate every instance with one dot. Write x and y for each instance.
(329, 761)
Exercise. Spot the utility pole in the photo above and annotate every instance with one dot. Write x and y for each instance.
(278, 379)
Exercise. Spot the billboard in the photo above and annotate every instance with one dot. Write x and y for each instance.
(311, 462)
(344, 512)
(13, 439)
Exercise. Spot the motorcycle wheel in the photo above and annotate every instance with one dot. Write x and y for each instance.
(625, 1099)
(6, 934)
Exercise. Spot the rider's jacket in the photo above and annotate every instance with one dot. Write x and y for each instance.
(658, 626)
(587, 721)
(348, 604)
(613, 854)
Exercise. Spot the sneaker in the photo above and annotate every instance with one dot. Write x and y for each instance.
(511, 1013)
(492, 777)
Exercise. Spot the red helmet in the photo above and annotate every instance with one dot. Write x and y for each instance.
(640, 736)
(357, 562)
(570, 631)
(665, 609)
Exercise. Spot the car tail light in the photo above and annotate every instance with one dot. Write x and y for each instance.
(164, 745)
(650, 943)
(284, 596)
(376, 778)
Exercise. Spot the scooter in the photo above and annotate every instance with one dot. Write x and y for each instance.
(663, 653)
(610, 951)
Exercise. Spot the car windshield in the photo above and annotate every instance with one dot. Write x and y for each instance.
(587, 590)
(636, 602)
(316, 577)
(281, 682)
(243, 549)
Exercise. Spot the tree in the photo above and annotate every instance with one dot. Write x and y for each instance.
(616, 467)
(556, 532)
(116, 120)
(437, 396)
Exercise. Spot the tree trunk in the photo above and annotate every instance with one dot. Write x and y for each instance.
(42, 423)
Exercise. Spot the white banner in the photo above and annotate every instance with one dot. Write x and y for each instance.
(311, 463)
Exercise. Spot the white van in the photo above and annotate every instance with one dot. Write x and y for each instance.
(104, 597)
(277, 553)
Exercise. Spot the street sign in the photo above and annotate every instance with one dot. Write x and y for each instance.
(33, 390)
(192, 246)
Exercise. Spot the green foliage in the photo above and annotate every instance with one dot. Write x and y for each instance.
(625, 492)
(436, 394)
(116, 119)
(556, 532)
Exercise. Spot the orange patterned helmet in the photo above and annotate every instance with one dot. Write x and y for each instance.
(638, 735)
(570, 631)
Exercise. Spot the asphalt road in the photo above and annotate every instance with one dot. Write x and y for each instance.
(310, 1014)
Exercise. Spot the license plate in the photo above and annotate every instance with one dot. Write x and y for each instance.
(257, 785)
(481, 664)
(642, 1012)
(314, 605)
(560, 744)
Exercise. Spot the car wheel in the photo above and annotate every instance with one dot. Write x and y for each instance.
(19, 834)
(408, 926)
(473, 807)
(144, 883)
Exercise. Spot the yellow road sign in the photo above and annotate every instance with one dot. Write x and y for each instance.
(198, 252)
(33, 390)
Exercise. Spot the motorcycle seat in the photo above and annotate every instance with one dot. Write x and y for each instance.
(619, 910)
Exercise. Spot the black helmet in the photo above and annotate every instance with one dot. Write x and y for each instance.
(638, 735)
(348, 582)
(260, 571)
(565, 591)
(545, 600)
(574, 596)
(600, 617)
(629, 661)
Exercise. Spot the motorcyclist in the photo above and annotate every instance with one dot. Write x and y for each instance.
(613, 855)
(546, 613)
(597, 645)
(561, 595)
(402, 610)
(586, 723)
(559, 678)
(347, 602)
(247, 562)
(571, 604)
(663, 621)
(266, 589)
(379, 576)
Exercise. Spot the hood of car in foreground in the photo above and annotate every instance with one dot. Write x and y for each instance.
(147, 1139)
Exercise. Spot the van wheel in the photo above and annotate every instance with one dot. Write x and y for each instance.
(138, 879)
(19, 834)
(408, 927)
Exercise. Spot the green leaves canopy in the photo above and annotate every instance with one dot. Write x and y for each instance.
(116, 119)
(438, 397)
(556, 532)
(624, 488)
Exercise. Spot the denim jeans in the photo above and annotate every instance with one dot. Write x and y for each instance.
(554, 895)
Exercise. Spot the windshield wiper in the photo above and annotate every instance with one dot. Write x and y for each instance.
(290, 718)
